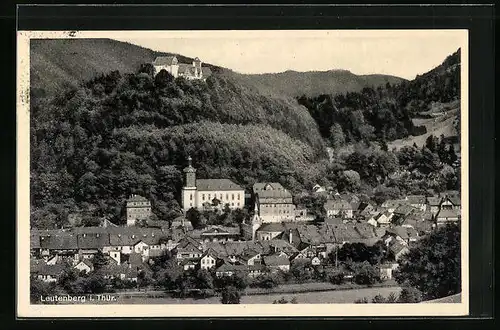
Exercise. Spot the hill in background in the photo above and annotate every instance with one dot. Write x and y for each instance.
(313, 83)
(56, 63)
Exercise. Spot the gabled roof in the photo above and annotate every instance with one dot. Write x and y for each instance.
(434, 200)
(249, 254)
(93, 241)
(216, 184)
(129, 236)
(188, 249)
(86, 262)
(404, 209)
(396, 247)
(455, 200)
(398, 231)
(137, 198)
(416, 199)
(60, 241)
(275, 260)
(271, 192)
(337, 204)
(165, 60)
(394, 203)
(445, 213)
(364, 205)
(209, 252)
(278, 245)
(272, 227)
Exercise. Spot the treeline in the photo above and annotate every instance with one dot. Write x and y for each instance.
(384, 113)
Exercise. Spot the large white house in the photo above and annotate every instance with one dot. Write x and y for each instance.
(200, 193)
(189, 71)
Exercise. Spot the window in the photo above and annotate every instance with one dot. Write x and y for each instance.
(209, 196)
(191, 197)
(203, 196)
(232, 204)
(238, 204)
(232, 197)
(238, 196)
(220, 196)
(227, 196)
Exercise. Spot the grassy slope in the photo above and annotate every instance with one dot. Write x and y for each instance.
(439, 126)
(292, 83)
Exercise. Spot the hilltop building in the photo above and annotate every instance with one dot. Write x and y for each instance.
(191, 71)
(200, 193)
(138, 208)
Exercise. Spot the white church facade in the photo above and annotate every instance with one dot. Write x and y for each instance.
(203, 193)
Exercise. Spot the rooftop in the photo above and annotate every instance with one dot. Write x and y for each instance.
(216, 184)
(165, 60)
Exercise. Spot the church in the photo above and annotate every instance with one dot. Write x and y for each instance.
(191, 71)
(198, 193)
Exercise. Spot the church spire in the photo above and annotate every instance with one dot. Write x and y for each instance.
(190, 171)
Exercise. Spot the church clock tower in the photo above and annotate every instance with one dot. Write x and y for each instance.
(189, 190)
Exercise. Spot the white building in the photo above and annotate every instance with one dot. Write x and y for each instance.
(189, 71)
(197, 193)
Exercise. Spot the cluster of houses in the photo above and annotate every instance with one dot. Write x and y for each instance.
(279, 233)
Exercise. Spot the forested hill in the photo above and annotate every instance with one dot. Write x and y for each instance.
(57, 63)
(313, 83)
(121, 133)
(385, 113)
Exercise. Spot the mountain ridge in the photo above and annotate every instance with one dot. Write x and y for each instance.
(59, 63)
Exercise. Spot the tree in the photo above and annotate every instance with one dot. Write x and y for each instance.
(433, 266)
(147, 68)
(95, 283)
(204, 279)
(40, 289)
(337, 136)
(230, 295)
(410, 295)
(99, 260)
(300, 270)
(349, 180)
(163, 78)
(366, 274)
(194, 216)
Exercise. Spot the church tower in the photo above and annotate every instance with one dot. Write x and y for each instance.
(189, 190)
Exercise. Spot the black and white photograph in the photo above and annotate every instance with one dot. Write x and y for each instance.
(168, 173)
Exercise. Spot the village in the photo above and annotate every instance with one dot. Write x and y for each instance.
(274, 236)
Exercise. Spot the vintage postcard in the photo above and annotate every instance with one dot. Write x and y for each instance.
(242, 173)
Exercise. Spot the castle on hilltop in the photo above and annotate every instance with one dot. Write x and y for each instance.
(191, 71)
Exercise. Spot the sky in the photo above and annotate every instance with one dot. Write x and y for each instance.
(402, 53)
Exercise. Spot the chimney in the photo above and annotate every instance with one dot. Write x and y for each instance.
(290, 238)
